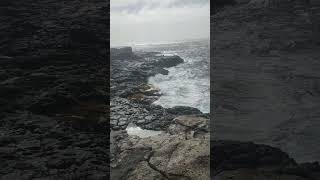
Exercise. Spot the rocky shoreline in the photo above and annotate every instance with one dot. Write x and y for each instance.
(171, 154)
(185, 130)
(54, 115)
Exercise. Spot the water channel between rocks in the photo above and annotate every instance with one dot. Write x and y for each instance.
(134, 130)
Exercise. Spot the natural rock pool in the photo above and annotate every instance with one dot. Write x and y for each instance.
(134, 130)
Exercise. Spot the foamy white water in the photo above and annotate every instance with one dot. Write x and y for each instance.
(187, 84)
(142, 133)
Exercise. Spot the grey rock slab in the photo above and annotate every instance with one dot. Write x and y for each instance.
(189, 158)
(144, 171)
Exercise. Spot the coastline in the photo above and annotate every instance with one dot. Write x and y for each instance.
(188, 83)
(55, 120)
(182, 126)
(187, 127)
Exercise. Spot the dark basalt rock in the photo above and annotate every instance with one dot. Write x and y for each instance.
(221, 3)
(53, 76)
(230, 155)
(234, 156)
(314, 167)
(169, 61)
(183, 110)
(122, 53)
(161, 71)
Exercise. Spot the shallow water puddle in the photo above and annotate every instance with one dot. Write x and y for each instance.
(142, 133)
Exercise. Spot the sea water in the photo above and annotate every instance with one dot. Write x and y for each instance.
(187, 84)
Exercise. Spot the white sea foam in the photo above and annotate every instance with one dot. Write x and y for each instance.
(187, 84)
(142, 133)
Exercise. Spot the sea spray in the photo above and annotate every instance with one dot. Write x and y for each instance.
(187, 84)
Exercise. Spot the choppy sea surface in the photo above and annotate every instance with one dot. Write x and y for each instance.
(187, 84)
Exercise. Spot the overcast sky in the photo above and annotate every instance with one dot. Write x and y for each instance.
(158, 21)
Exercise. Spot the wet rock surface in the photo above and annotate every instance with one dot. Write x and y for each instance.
(132, 96)
(53, 112)
(165, 156)
(184, 141)
(53, 122)
(246, 160)
(181, 151)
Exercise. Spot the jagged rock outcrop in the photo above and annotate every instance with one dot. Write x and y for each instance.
(183, 110)
(166, 62)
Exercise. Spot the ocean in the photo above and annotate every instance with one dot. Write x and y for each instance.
(187, 84)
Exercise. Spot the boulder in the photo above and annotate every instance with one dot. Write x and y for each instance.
(191, 126)
(168, 61)
(183, 110)
(183, 159)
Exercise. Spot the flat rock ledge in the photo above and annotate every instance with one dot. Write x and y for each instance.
(174, 155)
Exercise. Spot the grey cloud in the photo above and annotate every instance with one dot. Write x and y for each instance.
(138, 5)
(154, 21)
